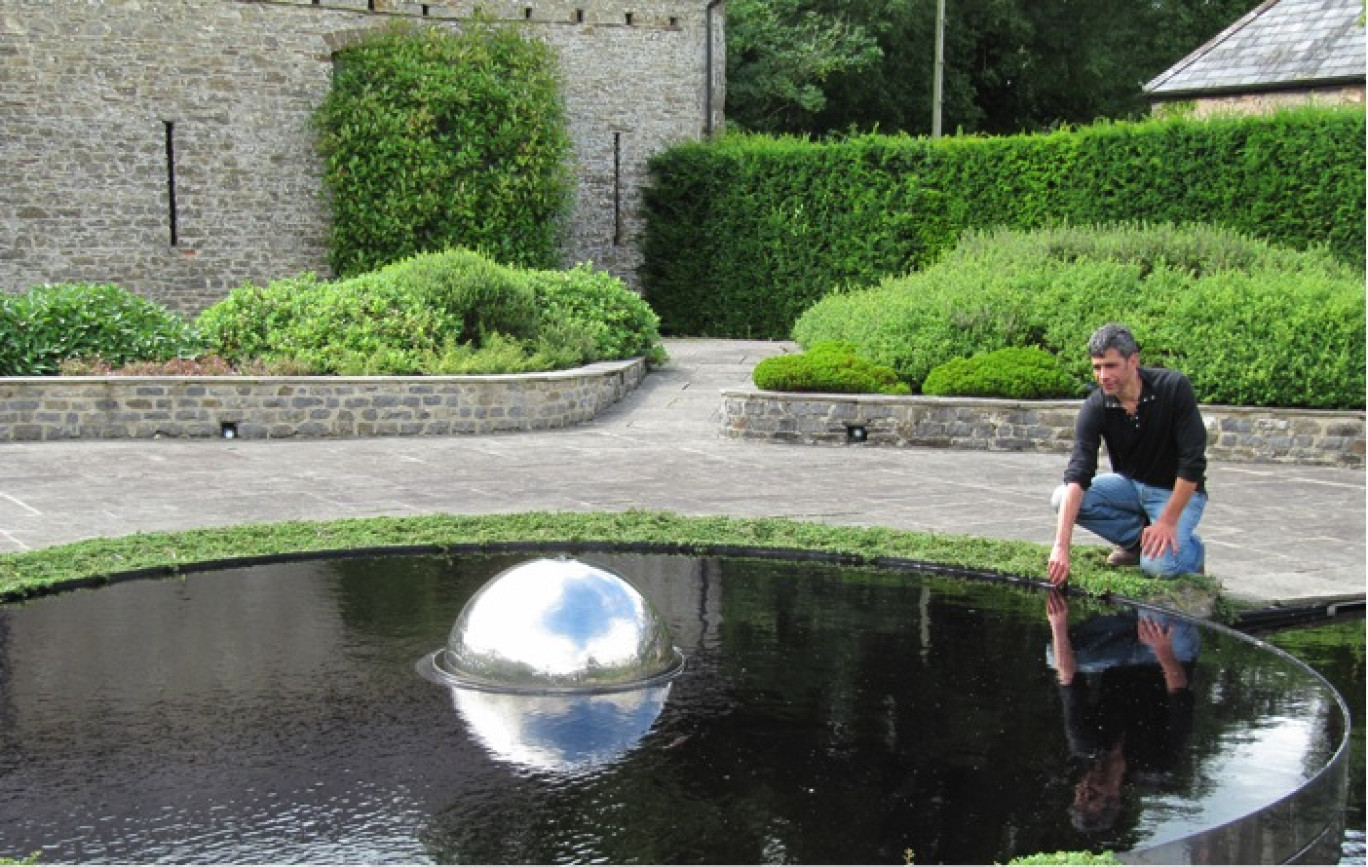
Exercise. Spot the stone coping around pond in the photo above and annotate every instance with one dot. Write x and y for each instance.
(270, 407)
(1242, 434)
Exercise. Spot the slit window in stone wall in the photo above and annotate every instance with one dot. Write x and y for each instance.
(617, 188)
(628, 18)
(169, 128)
(527, 12)
(579, 16)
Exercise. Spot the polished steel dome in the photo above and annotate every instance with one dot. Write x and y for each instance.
(556, 625)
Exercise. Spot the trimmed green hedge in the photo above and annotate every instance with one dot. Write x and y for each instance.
(745, 233)
(1250, 324)
(43, 327)
(434, 139)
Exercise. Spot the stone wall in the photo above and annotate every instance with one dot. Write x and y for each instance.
(165, 145)
(123, 407)
(1260, 102)
(1233, 433)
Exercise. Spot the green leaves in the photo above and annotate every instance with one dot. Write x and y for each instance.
(830, 366)
(434, 139)
(1249, 323)
(453, 312)
(746, 233)
(50, 324)
(1019, 372)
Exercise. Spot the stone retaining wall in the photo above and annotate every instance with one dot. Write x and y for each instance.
(138, 407)
(1234, 433)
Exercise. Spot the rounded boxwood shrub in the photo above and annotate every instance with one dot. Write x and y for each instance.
(829, 366)
(47, 325)
(1020, 372)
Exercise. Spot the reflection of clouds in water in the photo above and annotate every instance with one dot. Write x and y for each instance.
(563, 731)
(1243, 776)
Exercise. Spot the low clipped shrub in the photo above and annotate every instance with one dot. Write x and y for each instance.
(1020, 372)
(454, 312)
(614, 321)
(1249, 323)
(377, 323)
(48, 325)
(829, 366)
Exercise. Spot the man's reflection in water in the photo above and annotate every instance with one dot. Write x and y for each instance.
(1124, 682)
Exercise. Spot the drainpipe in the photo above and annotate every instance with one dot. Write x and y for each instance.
(708, 61)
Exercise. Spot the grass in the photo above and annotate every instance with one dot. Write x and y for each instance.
(95, 561)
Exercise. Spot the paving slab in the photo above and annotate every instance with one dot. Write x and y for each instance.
(1276, 533)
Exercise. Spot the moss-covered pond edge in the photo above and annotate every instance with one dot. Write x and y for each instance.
(104, 560)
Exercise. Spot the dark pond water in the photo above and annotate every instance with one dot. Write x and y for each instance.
(826, 714)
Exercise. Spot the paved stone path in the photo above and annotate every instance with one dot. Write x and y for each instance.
(1275, 533)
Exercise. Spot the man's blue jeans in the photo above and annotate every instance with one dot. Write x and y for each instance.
(1117, 509)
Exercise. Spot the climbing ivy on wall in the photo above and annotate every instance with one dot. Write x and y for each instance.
(435, 139)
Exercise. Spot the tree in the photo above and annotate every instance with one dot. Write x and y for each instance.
(1011, 65)
(780, 58)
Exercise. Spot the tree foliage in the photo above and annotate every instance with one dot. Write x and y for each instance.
(780, 58)
(1010, 65)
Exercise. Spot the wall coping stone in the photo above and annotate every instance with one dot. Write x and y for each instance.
(1234, 433)
(267, 407)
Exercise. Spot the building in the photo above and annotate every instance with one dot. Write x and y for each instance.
(1282, 53)
(165, 145)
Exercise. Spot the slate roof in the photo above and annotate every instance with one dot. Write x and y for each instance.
(1278, 44)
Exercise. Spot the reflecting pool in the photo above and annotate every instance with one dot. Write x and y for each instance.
(826, 713)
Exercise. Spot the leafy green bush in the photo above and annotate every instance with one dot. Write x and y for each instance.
(745, 233)
(47, 325)
(434, 139)
(1021, 372)
(381, 322)
(1249, 323)
(613, 320)
(828, 366)
(451, 312)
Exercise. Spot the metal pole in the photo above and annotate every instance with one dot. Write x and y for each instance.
(939, 76)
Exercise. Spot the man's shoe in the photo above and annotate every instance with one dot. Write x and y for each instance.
(1124, 556)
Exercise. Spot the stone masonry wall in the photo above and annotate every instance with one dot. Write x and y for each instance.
(109, 107)
(1233, 433)
(143, 407)
(1263, 102)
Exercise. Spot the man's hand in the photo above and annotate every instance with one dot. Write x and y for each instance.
(1157, 538)
(1058, 565)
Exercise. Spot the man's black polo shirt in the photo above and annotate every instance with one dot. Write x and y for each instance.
(1164, 441)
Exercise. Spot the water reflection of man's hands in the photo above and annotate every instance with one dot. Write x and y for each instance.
(1057, 608)
(1154, 634)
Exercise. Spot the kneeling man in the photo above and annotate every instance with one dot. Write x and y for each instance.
(1150, 504)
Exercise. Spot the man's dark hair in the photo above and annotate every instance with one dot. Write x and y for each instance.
(1112, 336)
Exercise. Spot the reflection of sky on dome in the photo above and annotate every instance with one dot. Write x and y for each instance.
(592, 619)
(560, 732)
(588, 605)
